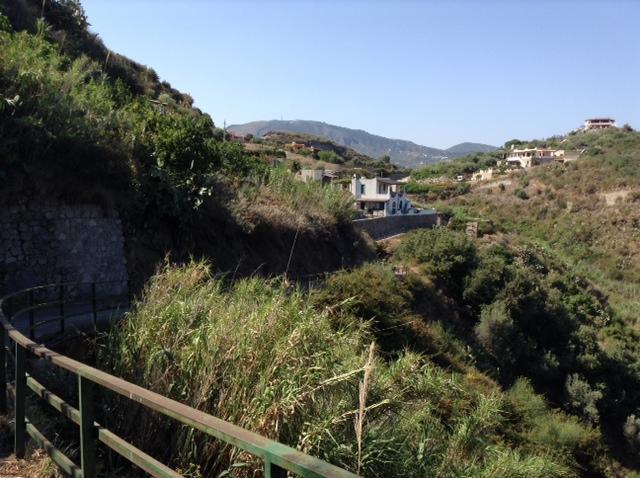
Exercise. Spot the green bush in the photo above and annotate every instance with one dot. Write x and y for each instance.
(582, 398)
(498, 334)
(330, 157)
(448, 256)
(488, 278)
(631, 431)
(371, 293)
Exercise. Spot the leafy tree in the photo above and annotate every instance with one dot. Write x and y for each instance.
(498, 334)
(513, 142)
(330, 157)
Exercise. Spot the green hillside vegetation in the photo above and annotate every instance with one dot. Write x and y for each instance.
(70, 128)
(69, 30)
(193, 337)
(403, 153)
(464, 166)
(566, 214)
(514, 355)
(327, 151)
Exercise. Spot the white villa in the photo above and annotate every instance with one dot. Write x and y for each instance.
(599, 123)
(380, 196)
(323, 175)
(528, 157)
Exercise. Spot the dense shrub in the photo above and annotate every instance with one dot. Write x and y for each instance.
(489, 277)
(330, 157)
(371, 293)
(582, 398)
(448, 256)
(631, 431)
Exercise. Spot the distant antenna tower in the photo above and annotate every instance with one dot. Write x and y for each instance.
(224, 131)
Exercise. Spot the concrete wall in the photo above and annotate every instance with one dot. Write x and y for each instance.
(383, 227)
(43, 241)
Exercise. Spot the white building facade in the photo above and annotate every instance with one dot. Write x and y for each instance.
(528, 157)
(380, 196)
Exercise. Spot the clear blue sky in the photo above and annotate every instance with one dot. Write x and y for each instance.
(436, 73)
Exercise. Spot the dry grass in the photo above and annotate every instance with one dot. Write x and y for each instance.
(36, 465)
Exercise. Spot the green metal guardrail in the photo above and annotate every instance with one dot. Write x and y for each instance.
(278, 459)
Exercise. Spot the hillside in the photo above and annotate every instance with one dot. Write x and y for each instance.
(468, 148)
(584, 212)
(313, 151)
(403, 153)
(513, 355)
(581, 218)
(73, 129)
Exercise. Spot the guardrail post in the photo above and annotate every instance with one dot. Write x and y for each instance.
(88, 433)
(3, 371)
(273, 471)
(61, 307)
(94, 306)
(20, 435)
(32, 331)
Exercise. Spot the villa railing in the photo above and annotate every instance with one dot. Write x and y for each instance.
(57, 303)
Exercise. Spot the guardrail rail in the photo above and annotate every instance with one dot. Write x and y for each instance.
(278, 459)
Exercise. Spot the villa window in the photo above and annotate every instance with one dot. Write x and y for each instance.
(362, 189)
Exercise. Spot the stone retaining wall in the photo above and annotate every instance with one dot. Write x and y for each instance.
(384, 227)
(44, 242)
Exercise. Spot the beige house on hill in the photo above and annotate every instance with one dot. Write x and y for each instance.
(598, 123)
(528, 157)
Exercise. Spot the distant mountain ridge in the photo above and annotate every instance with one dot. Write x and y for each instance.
(403, 153)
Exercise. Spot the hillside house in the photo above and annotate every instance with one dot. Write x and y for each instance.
(380, 196)
(565, 156)
(483, 174)
(317, 175)
(528, 157)
(598, 123)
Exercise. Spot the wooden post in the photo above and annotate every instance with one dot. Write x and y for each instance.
(273, 471)
(88, 433)
(20, 435)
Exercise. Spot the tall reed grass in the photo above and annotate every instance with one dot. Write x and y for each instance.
(262, 357)
(279, 197)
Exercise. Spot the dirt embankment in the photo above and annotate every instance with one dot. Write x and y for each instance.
(266, 249)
